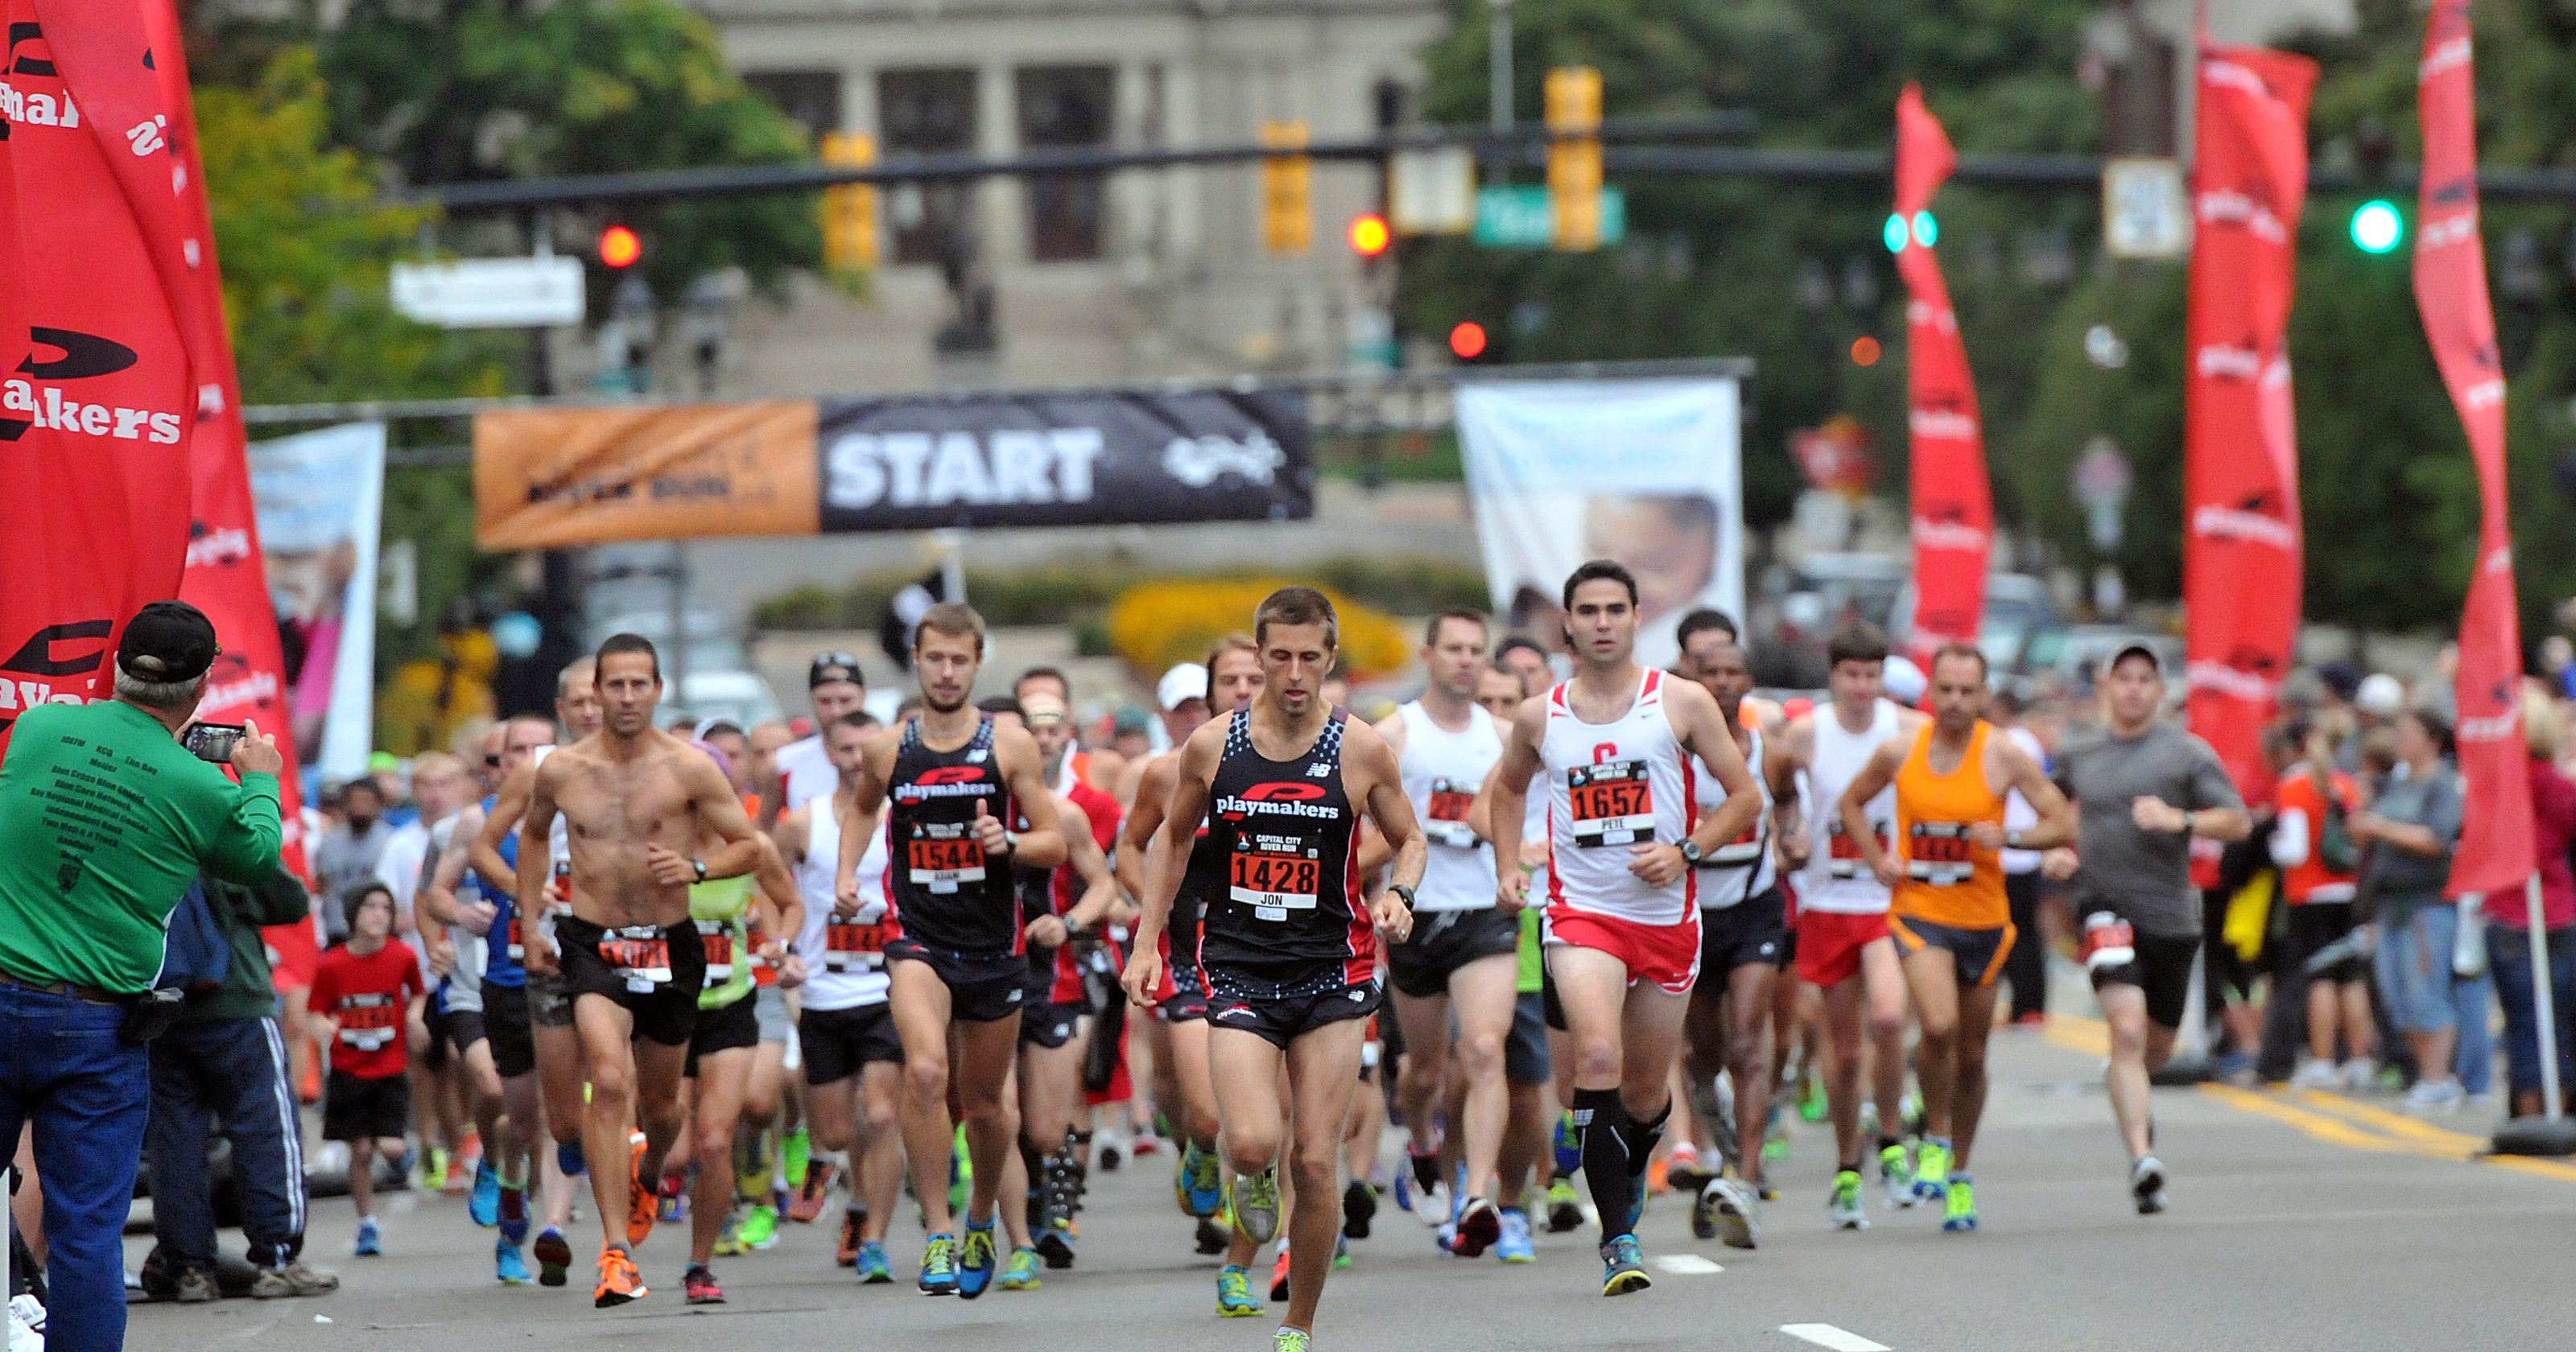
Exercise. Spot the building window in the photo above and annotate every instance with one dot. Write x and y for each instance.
(924, 113)
(1066, 107)
(811, 98)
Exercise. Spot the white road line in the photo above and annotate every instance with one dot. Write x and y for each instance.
(1839, 1339)
(1686, 1265)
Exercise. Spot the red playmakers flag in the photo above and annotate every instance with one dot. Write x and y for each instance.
(2242, 541)
(1953, 511)
(2495, 851)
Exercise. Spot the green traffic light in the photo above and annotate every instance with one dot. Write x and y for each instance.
(1893, 233)
(1922, 231)
(2376, 227)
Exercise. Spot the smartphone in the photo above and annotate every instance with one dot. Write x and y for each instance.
(212, 741)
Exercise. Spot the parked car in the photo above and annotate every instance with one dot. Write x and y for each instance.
(2017, 607)
(1798, 607)
(742, 698)
(2075, 654)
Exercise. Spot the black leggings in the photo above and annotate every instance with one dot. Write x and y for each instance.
(2026, 967)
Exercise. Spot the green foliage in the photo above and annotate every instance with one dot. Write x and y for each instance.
(459, 90)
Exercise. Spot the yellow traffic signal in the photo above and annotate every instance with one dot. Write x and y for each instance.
(1287, 183)
(850, 210)
(1574, 165)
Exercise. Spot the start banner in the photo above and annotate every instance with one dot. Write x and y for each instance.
(551, 478)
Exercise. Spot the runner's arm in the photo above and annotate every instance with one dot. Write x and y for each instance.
(1781, 757)
(857, 804)
(508, 803)
(438, 894)
(1374, 852)
(1016, 755)
(539, 824)
(1875, 775)
(1507, 799)
(1168, 857)
(1383, 794)
(2056, 825)
(720, 815)
(1704, 731)
(779, 897)
(1150, 793)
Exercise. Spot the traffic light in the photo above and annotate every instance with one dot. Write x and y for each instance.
(1287, 198)
(1467, 340)
(1370, 236)
(1574, 164)
(620, 247)
(1922, 231)
(850, 210)
(2377, 228)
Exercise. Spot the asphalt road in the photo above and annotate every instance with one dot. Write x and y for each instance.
(2299, 1221)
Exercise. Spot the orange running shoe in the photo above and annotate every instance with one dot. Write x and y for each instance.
(817, 1192)
(619, 1282)
(847, 1255)
(641, 1201)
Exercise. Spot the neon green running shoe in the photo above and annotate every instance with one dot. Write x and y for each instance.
(961, 1173)
(798, 1150)
(1256, 1205)
(759, 1228)
(1844, 1208)
(1021, 1272)
(1811, 1100)
(1961, 1216)
(433, 1171)
(1896, 1175)
(1292, 1340)
(1234, 1298)
(1932, 1171)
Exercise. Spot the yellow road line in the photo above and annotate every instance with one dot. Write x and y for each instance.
(2331, 1130)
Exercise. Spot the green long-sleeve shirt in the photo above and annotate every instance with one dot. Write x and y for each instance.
(104, 820)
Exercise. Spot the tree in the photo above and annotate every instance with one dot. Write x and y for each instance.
(461, 90)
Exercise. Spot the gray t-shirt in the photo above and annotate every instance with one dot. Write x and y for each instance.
(2144, 875)
(343, 860)
(2399, 881)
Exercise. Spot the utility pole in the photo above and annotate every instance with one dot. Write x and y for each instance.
(1498, 78)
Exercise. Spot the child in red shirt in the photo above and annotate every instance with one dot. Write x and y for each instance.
(365, 993)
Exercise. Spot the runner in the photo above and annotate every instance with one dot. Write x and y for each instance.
(637, 802)
(1617, 743)
(845, 1030)
(1743, 924)
(1461, 960)
(1527, 1065)
(364, 992)
(1947, 908)
(1844, 949)
(2142, 788)
(1288, 950)
(837, 687)
(959, 963)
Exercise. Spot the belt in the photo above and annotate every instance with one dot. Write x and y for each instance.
(93, 994)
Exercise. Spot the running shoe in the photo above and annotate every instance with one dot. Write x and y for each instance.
(484, 1205)
(1910, 1108)
(1962, 1212)
(1729, 1145)
(2147, 1185)
(796, 1156)
(1234, 1298)
(1896, 1175)
(1021, 1272)
(1341, 1253)
(1147, 1143)
(619, 1282)
(554, 1258)
(1210, 1235)
(872, 1265)
(1202, 1182)
(1279, 1275)
(1480, 1223)
(1429, 1197)
(846, 1253)
(1359, 1207)
(1292, 1340)
(939, 1266)
(569, 1159)
(1057, 1242)
(1256, 1204)
(961, 1173)
(463, 1166)
(1637, 1191)
(1844, 1209)
(433, 1171)
(1730, 1205)
(700, 1282)
(1564, 1207)
(508, 1267)
(760, 1228)
(1932, 1172)
(1681, 1168)
(1515, 1246)
(729, 1244)
(1703, 1213)
(814, 1194)
(514, 1215)
(671, 1200)
(641, 1202)
(370, 1243)
(1567, 1144)
(1623, 1267)
(1811, 1100)
(976, 1260)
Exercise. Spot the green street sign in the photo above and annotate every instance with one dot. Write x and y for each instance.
(1518, 216)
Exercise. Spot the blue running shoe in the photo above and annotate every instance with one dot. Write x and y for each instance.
(570, 1160)
(370, 1245)
(485, 1205)
(1202, 1182)
(508, 1267)
(1569, 1149)
(939, 1266)
(1623, 1267)
(873, 1268)
(1636, 1200)
(1515, 1246)
(976, 1260)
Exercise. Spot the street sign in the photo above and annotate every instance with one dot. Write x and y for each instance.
(491, 293)
(1432, 191)
(1521, 216)
(2145, 213)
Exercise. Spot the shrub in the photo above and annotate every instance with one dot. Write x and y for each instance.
(1155, 624)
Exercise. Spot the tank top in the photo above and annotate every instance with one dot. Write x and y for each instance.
(1284, 831)
(559, 854)
(844, 959)
(1742, 868)
(1442, 771)
(1948, 881)
(1837, 878)
(506, 951)
(946, 892)
(1609, 786)
(721, 909)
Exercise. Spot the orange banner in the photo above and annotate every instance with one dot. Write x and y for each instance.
(545, 479)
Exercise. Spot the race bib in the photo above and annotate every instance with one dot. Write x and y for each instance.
(1842, 853)
(1741, 851)
(518, 950)
(2108, 941)
(943, 856)
(1445, 816)
(1937, 854)
(1274, 874)
(854, 945)
(717, 938)
(640, 956)
(1611, 803)
(367, 1022)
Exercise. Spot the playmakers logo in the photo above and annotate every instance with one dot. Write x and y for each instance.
(28, 398)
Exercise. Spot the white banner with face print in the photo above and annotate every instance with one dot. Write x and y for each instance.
(1647, 472)
(320, 500)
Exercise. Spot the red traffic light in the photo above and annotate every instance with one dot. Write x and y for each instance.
(1369, 235)
(1467, 340)
(620, 247)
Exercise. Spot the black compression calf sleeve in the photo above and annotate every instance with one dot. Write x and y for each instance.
(1602, 1126)
(1640, 1138)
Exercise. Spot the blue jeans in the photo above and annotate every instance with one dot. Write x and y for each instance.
(2414, 968)
(66, 1074)
(2509, 955)
(234, 1069)
(2473, 1008)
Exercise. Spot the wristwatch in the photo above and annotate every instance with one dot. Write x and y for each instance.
(701, 866)
(2012, 839)
(1405, 892)
(1691, 853)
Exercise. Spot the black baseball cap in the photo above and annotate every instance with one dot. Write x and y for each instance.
(830, 667)
(167, 642)
(2129, 650)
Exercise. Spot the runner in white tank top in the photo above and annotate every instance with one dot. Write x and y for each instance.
(1619, 747)
(1835, 878)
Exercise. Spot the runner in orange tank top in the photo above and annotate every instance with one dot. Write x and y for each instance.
(1947, 912)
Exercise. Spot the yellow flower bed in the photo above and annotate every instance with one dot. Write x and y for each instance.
(1155, 624)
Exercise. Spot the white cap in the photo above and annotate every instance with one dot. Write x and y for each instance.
(1184, 682)
(1904, 680)
(2380, 696)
